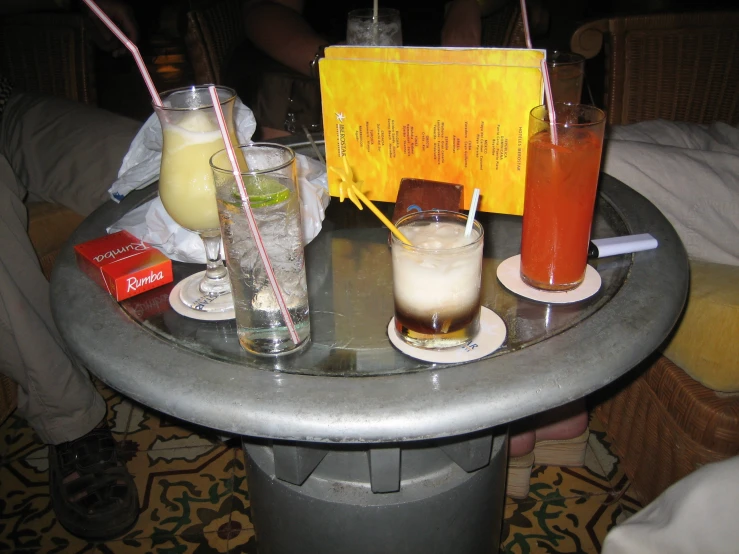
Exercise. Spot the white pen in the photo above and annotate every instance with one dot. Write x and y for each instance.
(601, 248)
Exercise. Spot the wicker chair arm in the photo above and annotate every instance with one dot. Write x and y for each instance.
(588, 39)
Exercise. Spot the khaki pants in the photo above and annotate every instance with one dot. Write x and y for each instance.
(65, 152)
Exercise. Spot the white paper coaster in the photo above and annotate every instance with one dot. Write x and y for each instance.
(221, 310)
(491, 335)
(509, 273)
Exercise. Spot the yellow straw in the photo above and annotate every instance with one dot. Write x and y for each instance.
(379, 214)
(352, 191)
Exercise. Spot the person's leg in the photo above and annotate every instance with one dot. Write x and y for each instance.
(55, 397)
(64, 152)
(68, 153)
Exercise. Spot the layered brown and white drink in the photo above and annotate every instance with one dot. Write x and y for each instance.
(436, 281)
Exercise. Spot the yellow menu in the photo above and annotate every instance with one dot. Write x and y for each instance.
(443, 114)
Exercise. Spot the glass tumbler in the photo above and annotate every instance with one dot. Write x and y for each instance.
(270, 178)
(566, 73)
(436, 281)
(561, 183)
(364, 29)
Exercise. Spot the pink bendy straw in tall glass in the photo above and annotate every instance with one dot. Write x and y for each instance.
(131, 48)
(272, 178)
(562, 168)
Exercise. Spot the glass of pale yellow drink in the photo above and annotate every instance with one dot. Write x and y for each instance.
(190, 136)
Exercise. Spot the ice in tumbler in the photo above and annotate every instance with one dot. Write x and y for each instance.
(436, 282)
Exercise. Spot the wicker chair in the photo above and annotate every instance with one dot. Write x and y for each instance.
(679, 67)
(211, 36)
(504, 28)
(49, 54)
(662, 422)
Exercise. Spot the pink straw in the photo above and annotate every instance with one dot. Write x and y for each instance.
(526, 30)
(131, 47)
(544, 72)
(550, 101)
(250, 216)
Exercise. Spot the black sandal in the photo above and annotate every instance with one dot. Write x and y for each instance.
(92, 493)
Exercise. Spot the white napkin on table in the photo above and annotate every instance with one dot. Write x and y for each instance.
(151, 223)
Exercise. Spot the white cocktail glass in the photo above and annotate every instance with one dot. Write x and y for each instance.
(190, 136)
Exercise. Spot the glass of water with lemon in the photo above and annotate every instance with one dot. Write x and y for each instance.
(272, 185)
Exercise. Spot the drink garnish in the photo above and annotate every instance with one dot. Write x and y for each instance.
(262, 191)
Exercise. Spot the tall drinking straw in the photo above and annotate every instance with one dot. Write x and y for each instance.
(375, 22)
(526, 30)
(131, 47)
(250, 216)
(544, 72)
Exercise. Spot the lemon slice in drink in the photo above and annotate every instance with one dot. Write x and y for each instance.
(262, 191)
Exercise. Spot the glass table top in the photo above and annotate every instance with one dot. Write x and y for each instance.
(351, 303)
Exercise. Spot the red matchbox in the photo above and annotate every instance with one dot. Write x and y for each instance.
(123, 265)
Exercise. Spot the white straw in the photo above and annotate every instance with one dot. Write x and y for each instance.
(375, 10)
(471, 214)
(250, 216)
(550, 102)
(131, 47)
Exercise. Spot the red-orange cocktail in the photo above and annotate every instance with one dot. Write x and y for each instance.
(561, 182)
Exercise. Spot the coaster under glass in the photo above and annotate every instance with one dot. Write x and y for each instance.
(210, 308)
(509, 274)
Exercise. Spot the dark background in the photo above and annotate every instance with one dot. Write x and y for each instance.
(162, 26)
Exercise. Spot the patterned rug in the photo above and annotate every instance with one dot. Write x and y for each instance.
(193, 494)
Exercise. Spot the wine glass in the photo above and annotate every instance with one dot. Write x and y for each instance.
(190, 136)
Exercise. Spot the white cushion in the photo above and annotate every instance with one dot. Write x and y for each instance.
(691, 173)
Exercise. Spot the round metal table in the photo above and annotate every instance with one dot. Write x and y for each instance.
(352, 395)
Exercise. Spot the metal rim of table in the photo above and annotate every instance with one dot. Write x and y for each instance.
(416, 406)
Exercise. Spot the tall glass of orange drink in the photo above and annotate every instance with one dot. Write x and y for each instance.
(561, 182)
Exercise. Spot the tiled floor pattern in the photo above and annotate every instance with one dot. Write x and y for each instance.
(570, 510)
(193, 496)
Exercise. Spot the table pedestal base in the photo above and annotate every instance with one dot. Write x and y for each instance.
(440, 497)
